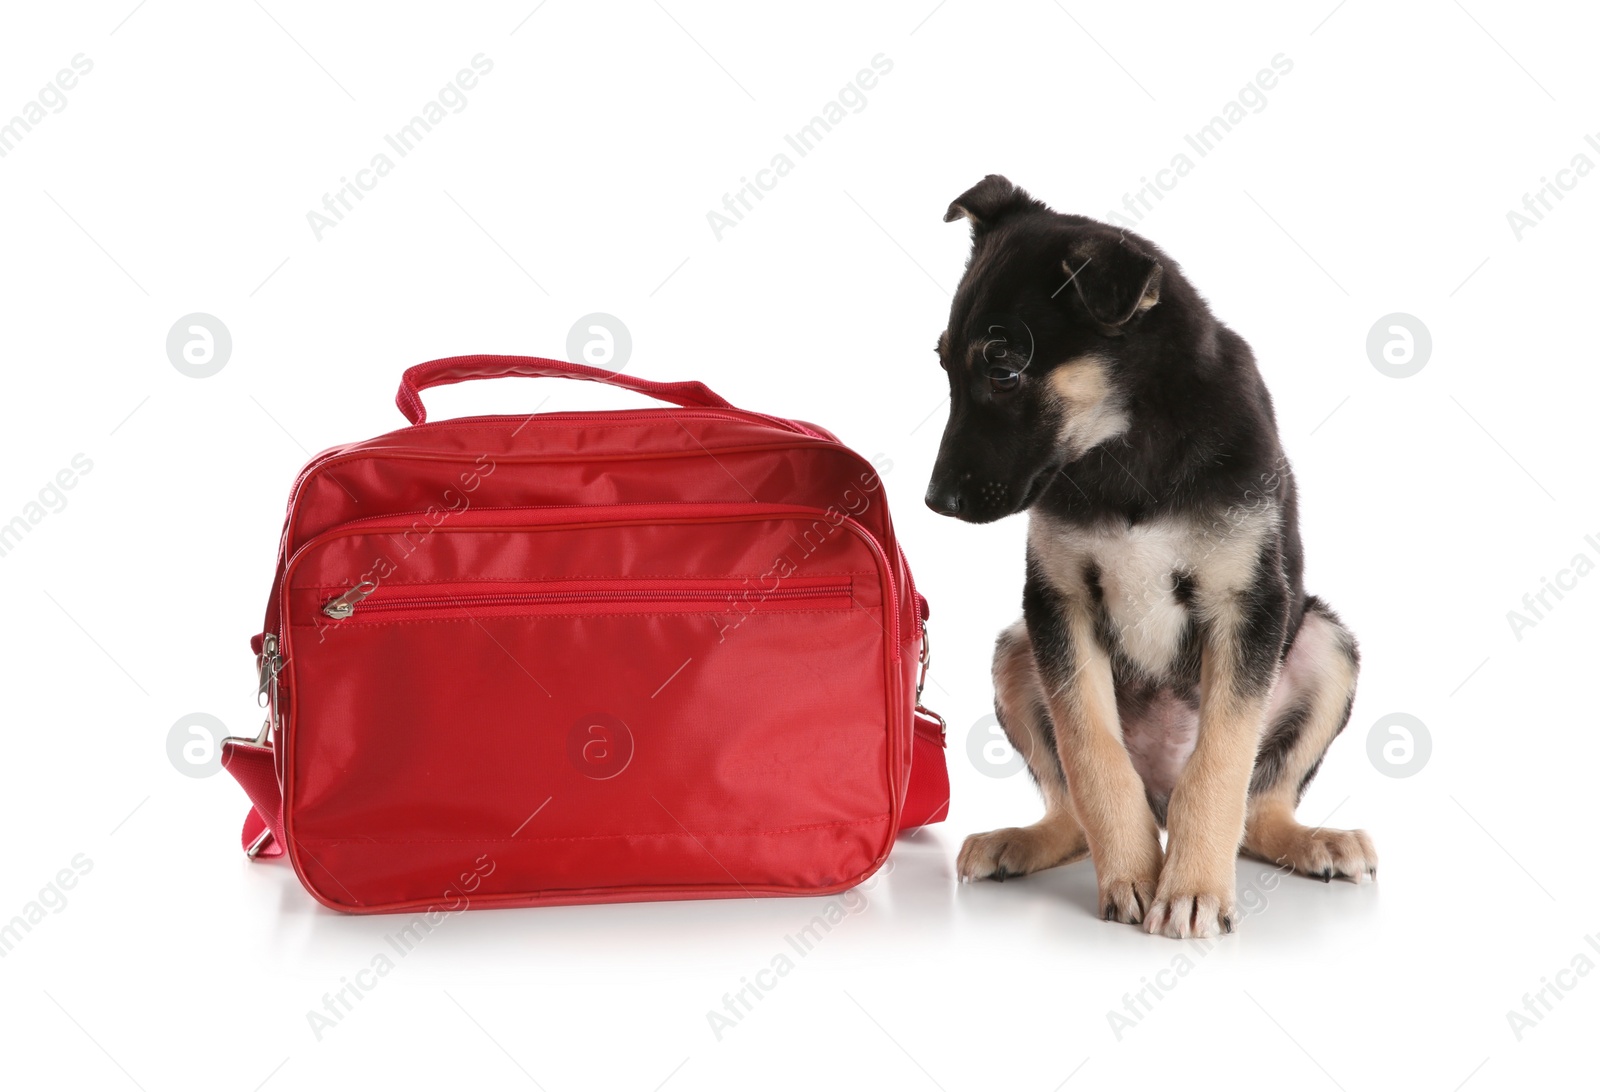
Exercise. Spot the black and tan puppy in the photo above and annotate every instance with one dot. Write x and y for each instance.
(1169, 667)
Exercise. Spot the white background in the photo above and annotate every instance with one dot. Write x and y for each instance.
(1376, 179)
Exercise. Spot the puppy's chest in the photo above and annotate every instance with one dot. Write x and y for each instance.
(1149, 585)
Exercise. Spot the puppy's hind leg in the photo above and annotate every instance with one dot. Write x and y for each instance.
(1020, 707)
(1310, 706)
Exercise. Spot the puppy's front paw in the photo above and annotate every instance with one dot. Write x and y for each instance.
(1194, 899)
(1333, 855)
(1010, 851)
(1126, 873)
(1126, 900)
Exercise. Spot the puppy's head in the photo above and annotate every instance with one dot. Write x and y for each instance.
(1035, 350)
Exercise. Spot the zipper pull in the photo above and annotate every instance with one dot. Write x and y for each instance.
(343, 606)
(268, 664)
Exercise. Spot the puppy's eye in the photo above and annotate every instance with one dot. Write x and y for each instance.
(1002, 378)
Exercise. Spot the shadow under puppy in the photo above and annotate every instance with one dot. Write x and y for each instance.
(1169, 667)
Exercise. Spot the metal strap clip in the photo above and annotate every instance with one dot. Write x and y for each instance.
(925, 657)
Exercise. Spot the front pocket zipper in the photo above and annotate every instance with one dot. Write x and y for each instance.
(343, 606)
(546, 518)
(728, 594)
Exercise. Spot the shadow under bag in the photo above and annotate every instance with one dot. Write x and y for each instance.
(588, 657)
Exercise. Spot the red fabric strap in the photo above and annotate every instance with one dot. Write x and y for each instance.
(252, 766)
(458, 369)
(928, 787)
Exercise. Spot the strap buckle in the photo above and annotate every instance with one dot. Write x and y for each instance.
(262, 738)
(924, 658)
(255, 847)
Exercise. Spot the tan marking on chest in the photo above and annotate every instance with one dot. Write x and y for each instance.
(1138, 567)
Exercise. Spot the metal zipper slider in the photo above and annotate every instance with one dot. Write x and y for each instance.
(343, 606)
(268, 664)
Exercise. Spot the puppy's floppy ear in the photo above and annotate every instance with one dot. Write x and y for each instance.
(1115, 278)
(989, 202)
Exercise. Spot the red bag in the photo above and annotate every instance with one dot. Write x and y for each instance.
(588, 657)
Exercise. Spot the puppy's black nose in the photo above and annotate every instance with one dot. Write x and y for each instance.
(946, 502)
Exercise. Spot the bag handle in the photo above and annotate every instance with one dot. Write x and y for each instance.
(458, 369)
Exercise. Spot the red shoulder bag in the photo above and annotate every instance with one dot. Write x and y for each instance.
(588, 657)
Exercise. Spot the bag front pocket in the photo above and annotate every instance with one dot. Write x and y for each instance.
(577, 711)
